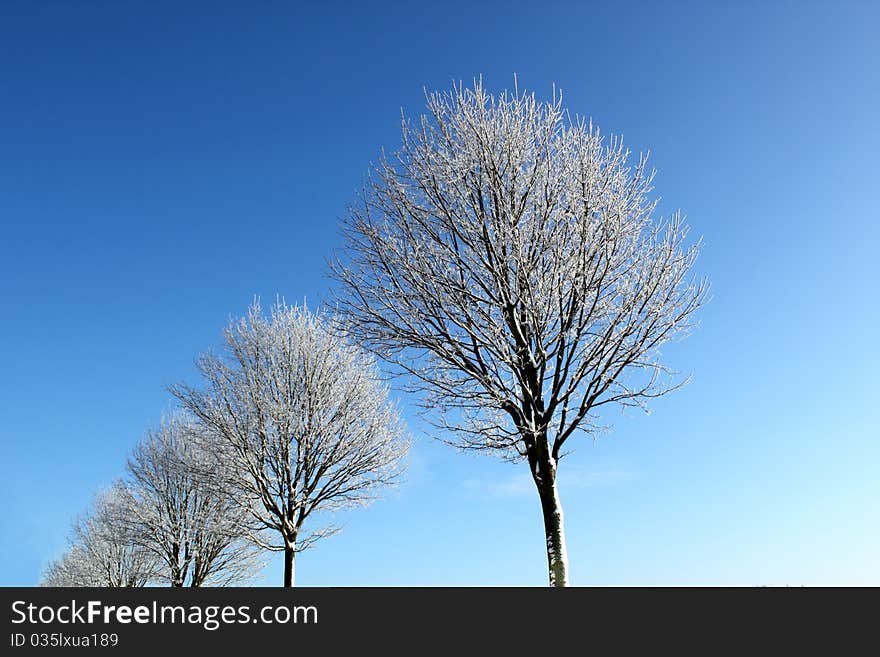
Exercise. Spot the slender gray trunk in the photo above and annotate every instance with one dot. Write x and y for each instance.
(554, 525)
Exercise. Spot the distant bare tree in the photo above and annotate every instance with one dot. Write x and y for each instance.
(74, 569)
(101, 551)
(304, 418)
(507, 258)
(178, 507)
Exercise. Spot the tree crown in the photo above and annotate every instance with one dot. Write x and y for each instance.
(508, 259)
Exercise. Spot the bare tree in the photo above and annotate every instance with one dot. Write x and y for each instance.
(304, 418)
(102, 551)
(72, 569)
(177, 506)
(508, 259)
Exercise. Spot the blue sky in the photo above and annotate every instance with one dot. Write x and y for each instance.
(162, 164)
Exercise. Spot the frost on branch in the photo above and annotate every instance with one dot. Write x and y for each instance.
(179, 507)
(509, 261)
(101, 551)
(508, 258)
(304, 423)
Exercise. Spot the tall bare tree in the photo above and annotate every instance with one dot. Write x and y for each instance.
(304, 418)
(508, 259)
(178, 506)
(102, 552)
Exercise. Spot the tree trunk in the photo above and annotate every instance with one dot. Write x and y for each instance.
(198, 576)
(554, 529)
(288, 566)
(176, 579)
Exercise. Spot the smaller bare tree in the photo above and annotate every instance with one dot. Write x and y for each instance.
(177, 506)
(102, 551)
(305, 420)
(72, 569)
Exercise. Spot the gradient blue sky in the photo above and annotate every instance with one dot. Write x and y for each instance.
(161, 163)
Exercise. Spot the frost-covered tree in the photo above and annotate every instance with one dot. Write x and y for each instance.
(509, 260)
(102, 552)
(73, 569)
(179, 507)
(304, 419)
